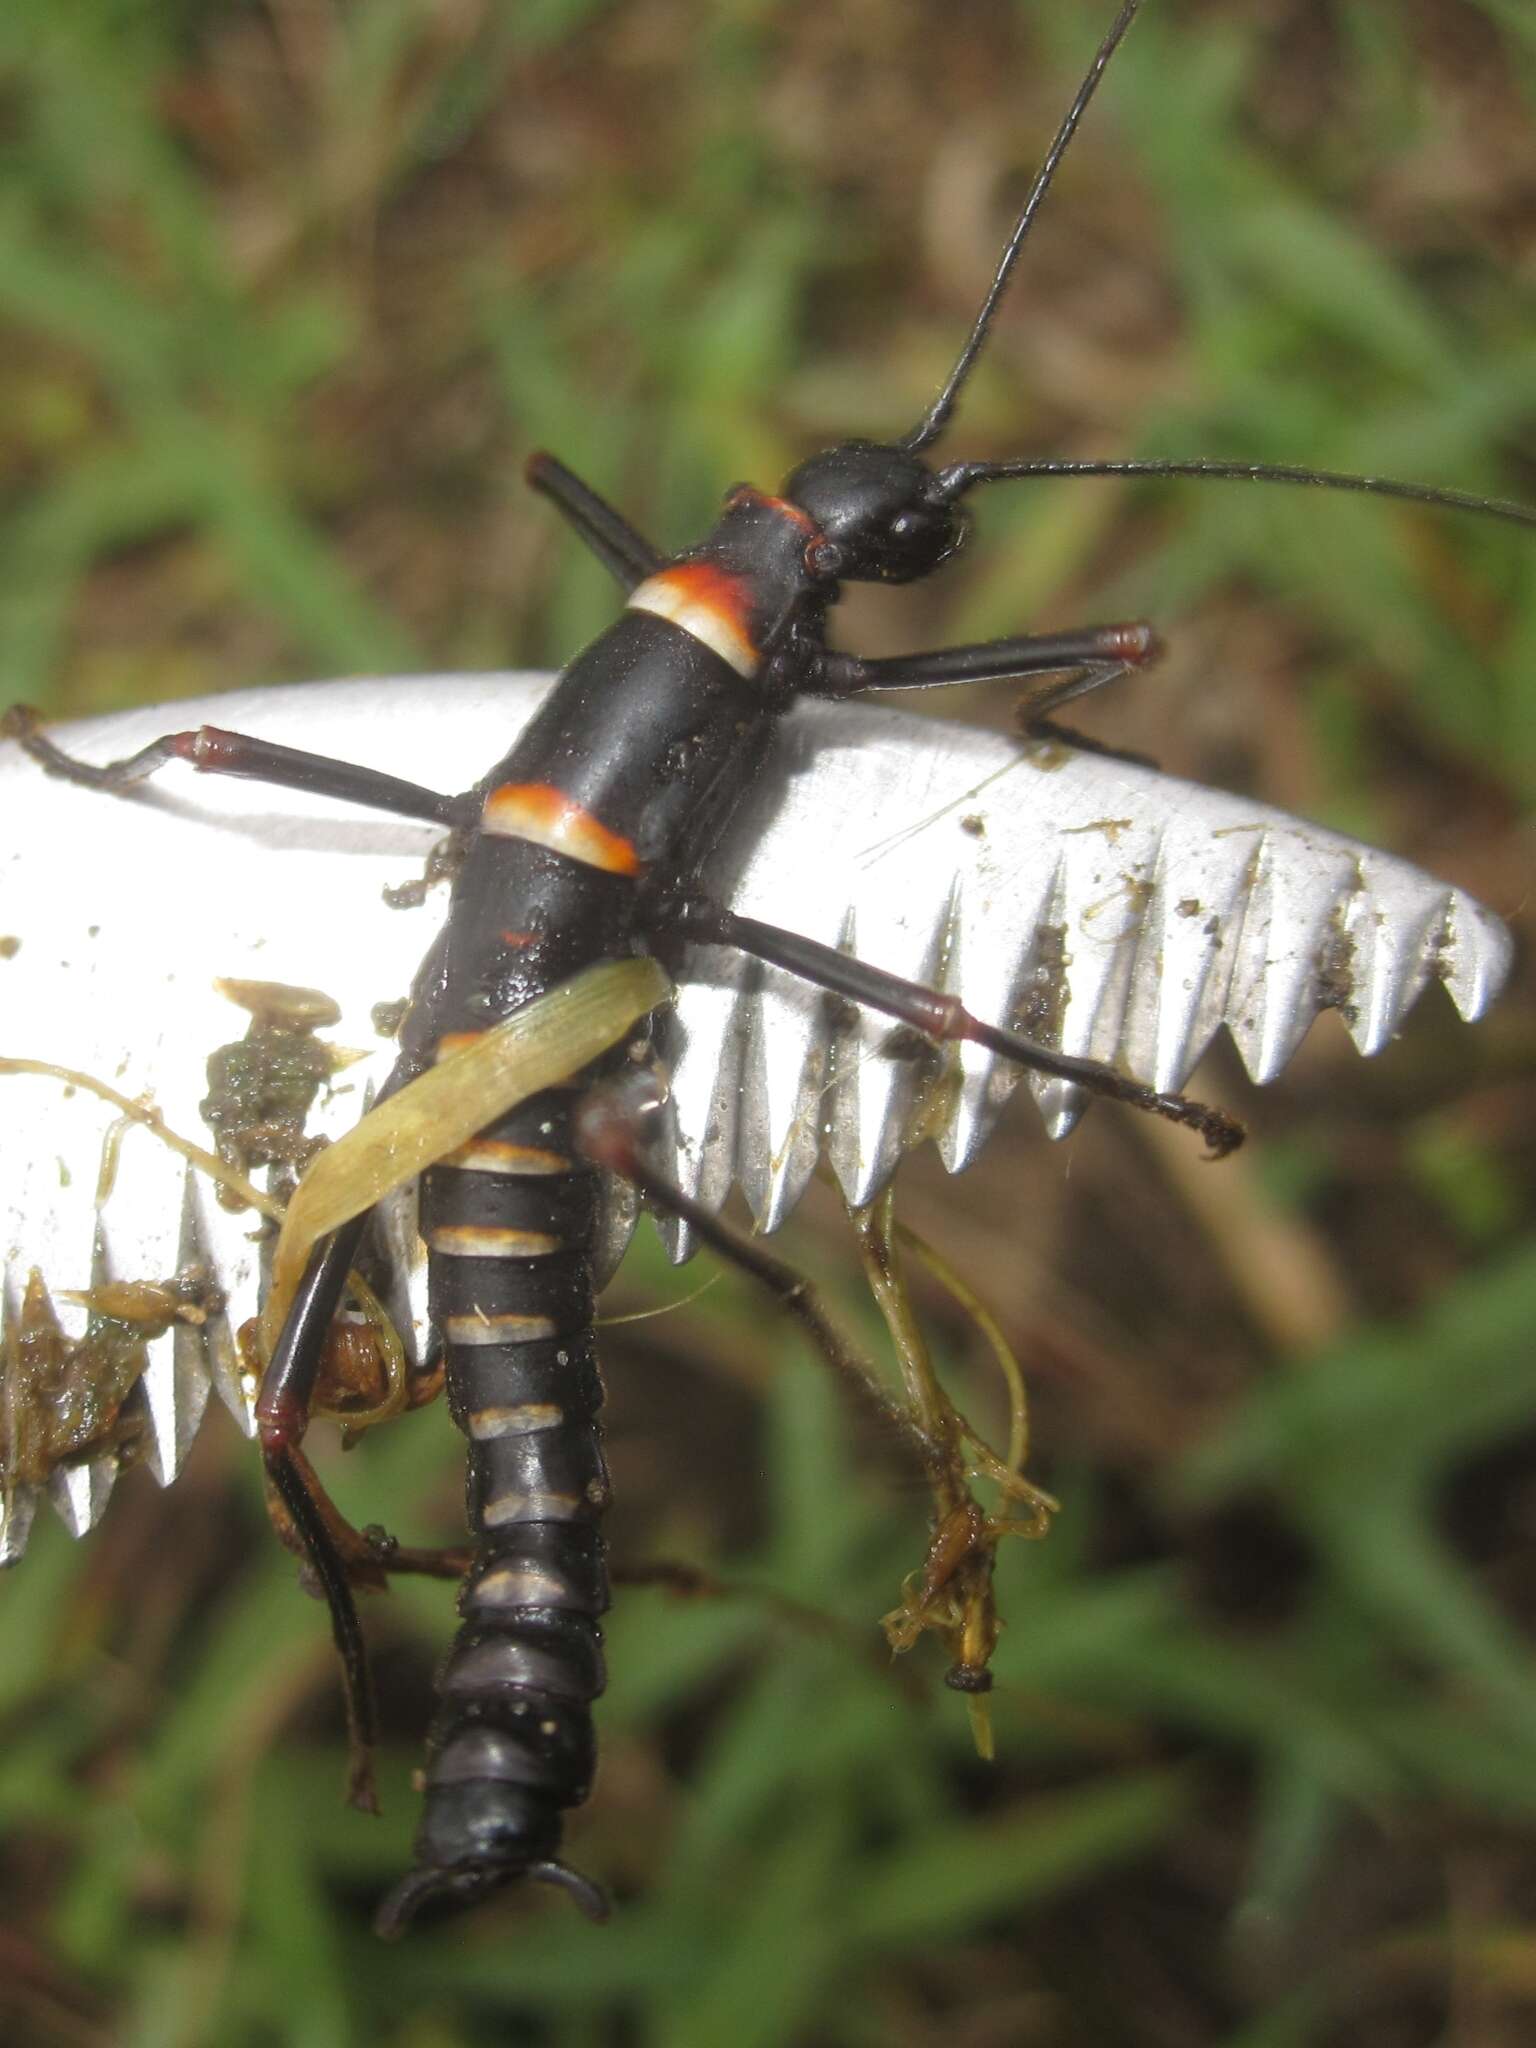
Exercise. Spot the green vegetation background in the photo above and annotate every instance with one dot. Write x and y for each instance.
(288, 293)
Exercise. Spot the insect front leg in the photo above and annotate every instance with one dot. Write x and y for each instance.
(1085, 660)
(282, 1415)
(213, 751)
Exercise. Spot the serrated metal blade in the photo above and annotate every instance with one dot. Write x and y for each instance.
(1098, 903)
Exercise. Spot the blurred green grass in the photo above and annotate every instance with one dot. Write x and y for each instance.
(288, 293)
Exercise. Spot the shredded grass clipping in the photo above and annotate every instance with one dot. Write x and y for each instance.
(535, 1048)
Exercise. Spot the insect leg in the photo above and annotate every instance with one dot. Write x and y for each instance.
(927, 1430)
(212, 751)
(605, 530)
(935, 1014)
(1085, 660)
(282, 1416)
(282, 1412)
(610, 1131)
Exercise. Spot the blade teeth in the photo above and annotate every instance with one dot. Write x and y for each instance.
(618, 1213)
(984, 1083)
(992, 983)
(1388, 936)
(1062, 1105)
(153, 1396)
(135, 1236)
(18, 1505)
(80, 1493)
(701, 1044)
(234, 1248)
(874, 1100)
(1045, 993)
(876, 1093)
(1103, 906)
(199, 1355)
(1289, 936)
(396, 1235)
(16, 1513)
(1042, 990)
(786, 1033)
(783, 1075)
(1228, 913)
(177, 1379)
(1407, 931)
(1475, 955)
(192, 1381)
(851, 1041)
(1180, 981)
(1104, 915)
(676, 1237)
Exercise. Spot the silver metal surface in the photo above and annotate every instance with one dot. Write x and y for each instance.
(1129, 913)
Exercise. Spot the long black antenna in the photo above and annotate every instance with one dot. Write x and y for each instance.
(934, 421)
(959, 477)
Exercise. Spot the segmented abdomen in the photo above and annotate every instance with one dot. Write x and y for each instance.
(509, 1223)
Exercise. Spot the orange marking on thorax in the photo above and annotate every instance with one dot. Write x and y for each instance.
(795, 514)
(713, 606)
(546, 816)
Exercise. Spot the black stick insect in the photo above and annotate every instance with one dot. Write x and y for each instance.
(586, 860)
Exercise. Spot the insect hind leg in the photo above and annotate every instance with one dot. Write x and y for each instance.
(930, 1436)
(936, 1015)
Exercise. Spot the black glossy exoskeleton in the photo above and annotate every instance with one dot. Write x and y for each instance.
(583, 845)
